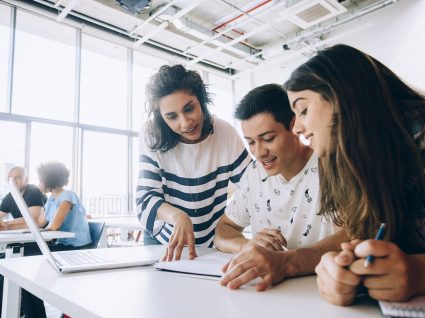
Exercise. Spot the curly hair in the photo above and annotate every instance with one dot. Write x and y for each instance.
(53, 174)
(166, 81)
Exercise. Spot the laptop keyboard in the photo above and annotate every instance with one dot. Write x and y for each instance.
(83, 257)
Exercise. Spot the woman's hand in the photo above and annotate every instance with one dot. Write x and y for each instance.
(182, 235)
(337, 284)
(393, 275)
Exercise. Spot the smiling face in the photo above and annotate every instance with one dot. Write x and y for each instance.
(182, 112)
(270, 142)
(313, 119)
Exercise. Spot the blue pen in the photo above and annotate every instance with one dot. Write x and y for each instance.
(379, 236)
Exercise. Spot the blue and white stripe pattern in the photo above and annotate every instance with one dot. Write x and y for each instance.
(193, 178)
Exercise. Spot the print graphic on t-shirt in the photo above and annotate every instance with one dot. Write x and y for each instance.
(257, 208)
(294, 210)
(268, 222)
(306, 171)
(261, 194)
(269, 208)
(254, 164)
(314, 170)
(276, 191)
(307, 195)
(307, 230)
(291, 192)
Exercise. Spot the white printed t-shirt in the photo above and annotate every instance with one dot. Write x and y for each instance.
(273, 202)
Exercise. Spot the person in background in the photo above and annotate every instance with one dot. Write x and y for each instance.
(32, 196)
(368, 129)
(278, 198)
(187, 159)
(31, 306)
(63, 209)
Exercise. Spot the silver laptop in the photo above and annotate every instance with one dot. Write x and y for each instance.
(82, 260)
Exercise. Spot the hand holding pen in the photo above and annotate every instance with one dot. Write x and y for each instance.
(379, 236)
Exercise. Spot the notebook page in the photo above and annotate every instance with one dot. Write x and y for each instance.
(208, 265)
(415, 307)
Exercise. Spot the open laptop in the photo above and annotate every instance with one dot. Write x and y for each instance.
(82, 260)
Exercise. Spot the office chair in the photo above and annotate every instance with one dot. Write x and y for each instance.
(96, 229)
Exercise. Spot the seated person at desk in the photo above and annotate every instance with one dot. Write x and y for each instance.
(368, 128)
(31, 306)
(32, 196)
(63, 209)
(278, 198)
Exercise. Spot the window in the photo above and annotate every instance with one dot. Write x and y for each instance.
(44, 68)
(104, 179)
(221, 88)
(12, 150)
(135, 169)
(144, 66)
(50, 143)
(103, 83)
(4, 54)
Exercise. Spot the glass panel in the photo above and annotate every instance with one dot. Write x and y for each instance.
(135, 169)
(44, 68)
(4, 54)
(103, 83)
(50, 143)
(104, 182)
(143, 67)
(12, 150)
(222, 97)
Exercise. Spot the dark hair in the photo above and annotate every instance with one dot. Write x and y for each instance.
(168, 80)
(269, 98)
(53, 175)
(374, 171)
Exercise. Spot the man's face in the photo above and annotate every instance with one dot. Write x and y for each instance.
(20, 179)
(270, 142)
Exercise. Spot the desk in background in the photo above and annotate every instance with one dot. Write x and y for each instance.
(11, 305)
(144, 292)
(129, 223)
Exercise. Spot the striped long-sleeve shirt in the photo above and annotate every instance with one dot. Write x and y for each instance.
(191, 177)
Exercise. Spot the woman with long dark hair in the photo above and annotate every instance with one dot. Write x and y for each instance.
(187, 158)
(367, 127)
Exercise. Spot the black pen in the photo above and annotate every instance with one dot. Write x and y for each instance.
(379, 236)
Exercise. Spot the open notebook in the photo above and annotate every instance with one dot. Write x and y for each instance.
(82, 260)
(207, 266)
(415, 307)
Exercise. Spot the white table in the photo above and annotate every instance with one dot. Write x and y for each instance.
(144, 292)
(28, 237)
(10, 288)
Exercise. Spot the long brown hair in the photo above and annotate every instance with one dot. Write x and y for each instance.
(375, 171)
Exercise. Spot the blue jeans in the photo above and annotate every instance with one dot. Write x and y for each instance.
(149, 239)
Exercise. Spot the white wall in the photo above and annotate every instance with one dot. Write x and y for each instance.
(394, 35)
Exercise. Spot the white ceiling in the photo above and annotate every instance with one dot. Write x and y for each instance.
(232, 35)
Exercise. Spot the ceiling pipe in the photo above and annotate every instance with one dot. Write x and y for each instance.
(163, 25)
(308, 35)
(275, 7)
(153, 16)
(66, 10)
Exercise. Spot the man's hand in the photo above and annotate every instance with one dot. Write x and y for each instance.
(4, 226)
(255, 261)
(182, 235)
(270, 239)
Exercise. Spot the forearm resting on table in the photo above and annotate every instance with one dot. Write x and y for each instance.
(228, 236)
(305, 259)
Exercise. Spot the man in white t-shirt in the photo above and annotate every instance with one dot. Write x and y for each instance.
(278, 197)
